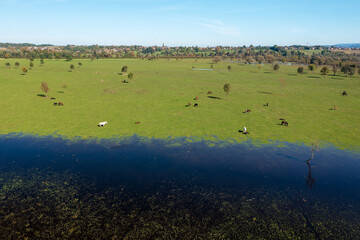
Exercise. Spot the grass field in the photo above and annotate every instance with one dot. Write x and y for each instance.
(159, 92)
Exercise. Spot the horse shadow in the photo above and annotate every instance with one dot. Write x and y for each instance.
(40, 95)
(213, 97)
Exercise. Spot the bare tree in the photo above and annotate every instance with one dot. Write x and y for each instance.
(334, 69)
(45, 88)
(64, 86)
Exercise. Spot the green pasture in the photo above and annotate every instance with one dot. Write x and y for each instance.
(159, 91)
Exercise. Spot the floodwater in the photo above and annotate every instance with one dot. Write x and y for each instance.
(175, 189)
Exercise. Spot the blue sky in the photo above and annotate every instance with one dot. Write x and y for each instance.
(175, 22)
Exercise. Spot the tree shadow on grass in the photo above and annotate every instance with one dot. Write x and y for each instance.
(40, 95)
(267, 72)
(292, 74)
(313, 77)
(264, 92)
(213, 97)
(337, 78)
(60, 91)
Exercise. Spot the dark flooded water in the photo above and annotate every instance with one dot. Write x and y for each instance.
(152, 189)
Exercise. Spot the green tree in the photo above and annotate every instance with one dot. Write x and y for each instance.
(72, 67)
(276, 67)
(300, 70)
(324, 71)
(24, 69)
(312, 67)
(42, 61)
(17, 64)
(359, 71)
(80, 64)
(7, 64)
(345, 69)
(45, 88)
(227, 88)
(352, 71)
(31, 64)
(229, 68)
(131, 76)
(124, 69)
(31, 59)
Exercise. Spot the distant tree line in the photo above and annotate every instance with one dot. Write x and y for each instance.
(261, 54)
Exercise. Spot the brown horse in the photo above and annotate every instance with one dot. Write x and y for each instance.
(188, 105)
(247, 111)
(196, 98)
(285, 123)
(209, 92)
(137, 122)
(60, 104)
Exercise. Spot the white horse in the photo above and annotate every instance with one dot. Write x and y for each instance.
(101, 124)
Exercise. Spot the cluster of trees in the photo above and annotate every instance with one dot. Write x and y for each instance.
(260, 54)
(347, 69)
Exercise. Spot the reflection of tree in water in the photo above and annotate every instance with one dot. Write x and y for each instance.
(310, 181)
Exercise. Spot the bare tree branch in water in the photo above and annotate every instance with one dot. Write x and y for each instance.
(310, 181)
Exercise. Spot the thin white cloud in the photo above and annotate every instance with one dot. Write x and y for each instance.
(219, 27)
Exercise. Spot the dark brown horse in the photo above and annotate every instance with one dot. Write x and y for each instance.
(285, 123)
(209, 92)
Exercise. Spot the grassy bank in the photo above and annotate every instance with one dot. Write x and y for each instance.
(159, 92)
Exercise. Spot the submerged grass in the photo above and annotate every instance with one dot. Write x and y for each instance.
(157, 96)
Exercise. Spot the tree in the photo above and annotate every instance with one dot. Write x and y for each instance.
(229, 68)
(227, 89)
(249, 59)
(7, 64)
(345, 69)
(17, 64)
(131, 76)
(64, 86)
(359, 71)
(45, 88)
(72, 67)
(334, 69)
(300, 70)
(352, 71)
(31, 64)
(276, 67)
(324, 71)
(212, 66)
(42, 61)
(312, 67)
(260, 59)
(31, 59)
(216, 59)
(80, 64)
(124, 69)
(24, 69)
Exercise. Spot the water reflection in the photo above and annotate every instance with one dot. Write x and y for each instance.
(310, 181)
(157, 189)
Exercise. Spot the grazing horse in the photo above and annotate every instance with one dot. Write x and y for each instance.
(188, 105)
(209, 92)
(247, 111)
(335, 107)
(344, 93)
(137, 122)
(285, 123)
(196, 105)
(60, 104)
(101, 124)
(55, 103)
(196, 98)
